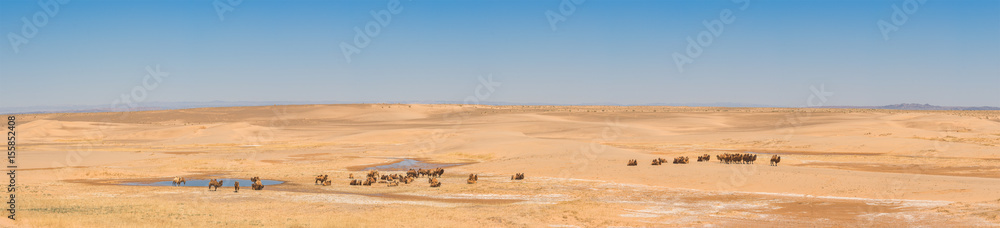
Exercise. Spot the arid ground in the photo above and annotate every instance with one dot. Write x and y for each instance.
(839, 167)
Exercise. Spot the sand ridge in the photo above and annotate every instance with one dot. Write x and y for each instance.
(840, 161)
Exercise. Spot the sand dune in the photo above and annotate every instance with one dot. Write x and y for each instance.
(829, 157)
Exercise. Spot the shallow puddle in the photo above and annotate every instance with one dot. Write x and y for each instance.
(203, 183)
(404, 165)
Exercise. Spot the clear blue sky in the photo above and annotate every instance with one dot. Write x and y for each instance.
(91, 52)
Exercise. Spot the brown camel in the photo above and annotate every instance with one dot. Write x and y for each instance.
(237, 185)
(775, 159)
(632, 162)
(321, 178)
(737, 158)
(257, 185)
(179, 180)
(435, 183)
(473, 178)
(517, 176)
(214, 183)
(437, 172)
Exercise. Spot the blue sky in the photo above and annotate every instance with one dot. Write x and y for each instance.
(92, 52)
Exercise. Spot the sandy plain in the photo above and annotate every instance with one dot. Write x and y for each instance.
(839, 168)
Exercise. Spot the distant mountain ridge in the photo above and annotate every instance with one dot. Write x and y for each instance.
(150, 106)
(915, 106)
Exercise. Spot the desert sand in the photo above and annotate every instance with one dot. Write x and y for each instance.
(839, 167)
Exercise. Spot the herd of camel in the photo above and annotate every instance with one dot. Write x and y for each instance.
(392, 180)
(727, 158)
(371, 178)
(215, 183)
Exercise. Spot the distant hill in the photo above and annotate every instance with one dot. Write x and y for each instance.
(148, 106)
(915, 106)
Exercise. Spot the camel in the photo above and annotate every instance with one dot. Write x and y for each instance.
(435, 183)
(632, 162)
(737, 158)
(369, 182)
(393, 184)
(437, 172)
(237, 185)
(214, 183)
(473, 178)
(705, 157)
(412, 173)
(256, 184)
(321, 178)
(681, 160)
(517, 176)
(179, 180)
(350, 176)
(775, 159)
(656, 162)
(327, 182)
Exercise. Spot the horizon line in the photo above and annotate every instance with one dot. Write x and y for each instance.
(223, 104)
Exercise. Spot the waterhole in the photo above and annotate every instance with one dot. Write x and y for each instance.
(204, 182)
